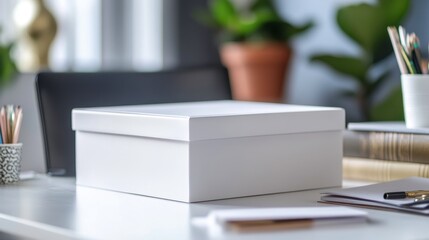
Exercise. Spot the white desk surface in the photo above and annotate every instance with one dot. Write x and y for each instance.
(54, 208)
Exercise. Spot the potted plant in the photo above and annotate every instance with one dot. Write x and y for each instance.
(365, 24)
(254, 46)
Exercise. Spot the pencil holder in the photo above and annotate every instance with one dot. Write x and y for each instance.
(415, 92)
(10, 162)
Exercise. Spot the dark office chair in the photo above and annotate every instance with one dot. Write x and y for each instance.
(59, 93)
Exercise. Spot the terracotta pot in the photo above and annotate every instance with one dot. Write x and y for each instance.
(256, 71)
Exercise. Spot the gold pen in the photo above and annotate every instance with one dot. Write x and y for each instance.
(405, 194)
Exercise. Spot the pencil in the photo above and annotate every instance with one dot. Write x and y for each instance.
(394, 38)
(402, 36)
(418, 55)
(10, 119)
(416, 61)
(1, 127)
(17, 125)
(3, 124)
(409, 63)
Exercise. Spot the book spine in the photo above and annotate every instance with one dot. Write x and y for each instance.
(401, 147)
(381, 170)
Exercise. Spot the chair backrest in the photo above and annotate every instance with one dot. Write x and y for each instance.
(59, 93)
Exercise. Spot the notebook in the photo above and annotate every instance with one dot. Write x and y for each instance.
(372, 195)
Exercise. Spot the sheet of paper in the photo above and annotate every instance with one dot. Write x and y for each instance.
(372, 195)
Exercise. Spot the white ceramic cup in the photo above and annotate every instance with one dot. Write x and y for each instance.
(415, 92)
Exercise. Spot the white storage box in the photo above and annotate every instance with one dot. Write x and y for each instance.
(208, 150)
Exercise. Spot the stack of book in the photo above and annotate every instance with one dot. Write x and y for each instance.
(385, 151)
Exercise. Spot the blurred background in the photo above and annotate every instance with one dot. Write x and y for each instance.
(153, 35)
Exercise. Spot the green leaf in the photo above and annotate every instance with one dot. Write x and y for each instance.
(383, 50)
(363, 24)
(390, 109)
(347, 65)
(263, 4)
(292, 30)
(260, 22)
(223, 12)
(366, 25)
(394, 10)
(7, 65)
(249, 25)
(226, 16)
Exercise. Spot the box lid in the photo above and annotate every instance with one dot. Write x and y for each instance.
(208, 120)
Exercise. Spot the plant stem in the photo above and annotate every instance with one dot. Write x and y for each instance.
(363, 103)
